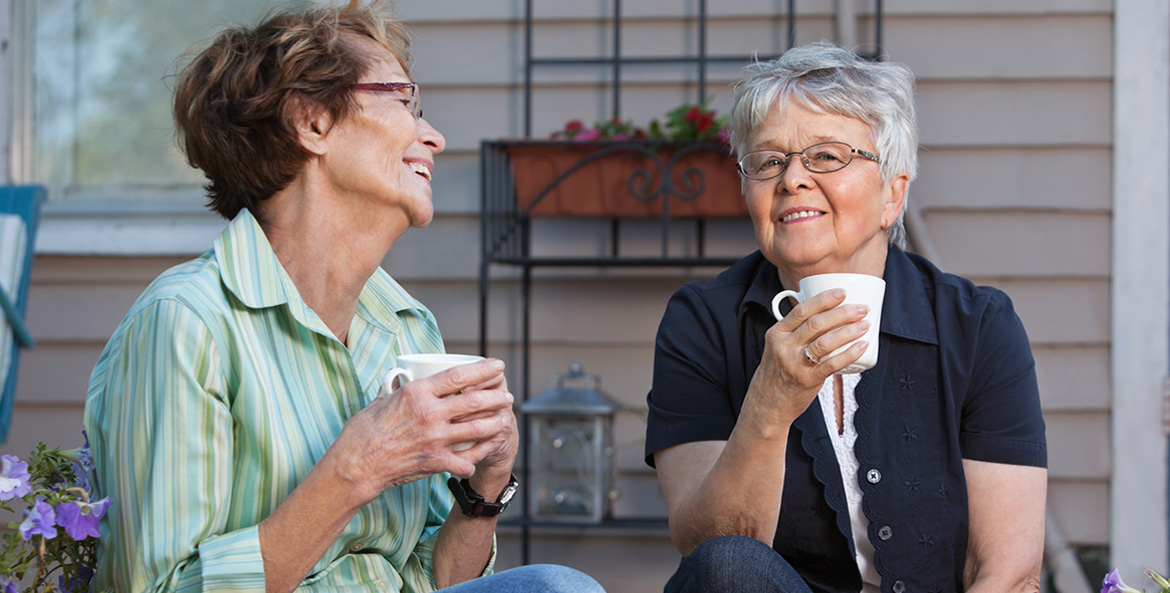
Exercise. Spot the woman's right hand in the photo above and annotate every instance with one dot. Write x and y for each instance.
(786, 381)
(410, 433)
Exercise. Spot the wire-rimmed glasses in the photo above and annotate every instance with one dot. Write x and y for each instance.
(407, 92)
(825, 157)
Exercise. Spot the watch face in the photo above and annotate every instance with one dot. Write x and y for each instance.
(508, 493)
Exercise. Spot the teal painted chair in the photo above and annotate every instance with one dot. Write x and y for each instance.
(20, 208)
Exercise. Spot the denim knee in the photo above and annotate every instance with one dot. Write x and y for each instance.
(725, 559)
(557, 579)
(734, 564)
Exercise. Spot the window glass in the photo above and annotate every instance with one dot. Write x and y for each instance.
(103, 72)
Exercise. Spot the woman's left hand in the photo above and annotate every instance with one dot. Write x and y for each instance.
(493, 457)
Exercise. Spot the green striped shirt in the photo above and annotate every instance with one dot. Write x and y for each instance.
(212, 401)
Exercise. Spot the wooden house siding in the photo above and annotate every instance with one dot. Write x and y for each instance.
(1015, 110)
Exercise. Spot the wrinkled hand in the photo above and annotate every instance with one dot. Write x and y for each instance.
(786, 382)
(496, 454)
(410, 433)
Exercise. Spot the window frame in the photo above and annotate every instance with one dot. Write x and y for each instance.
(129, 220)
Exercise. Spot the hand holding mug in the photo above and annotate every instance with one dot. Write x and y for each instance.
(412, 367)
(860, 289)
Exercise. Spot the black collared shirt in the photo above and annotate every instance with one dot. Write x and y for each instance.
(955, 380)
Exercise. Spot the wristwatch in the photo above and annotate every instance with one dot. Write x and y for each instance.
(473, 505)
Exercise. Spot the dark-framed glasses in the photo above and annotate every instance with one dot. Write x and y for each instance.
(407, 92)
(825, 157)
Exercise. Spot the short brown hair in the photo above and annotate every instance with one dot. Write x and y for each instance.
(236, 101)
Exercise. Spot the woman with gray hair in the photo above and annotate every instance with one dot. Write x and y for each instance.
(925, 472)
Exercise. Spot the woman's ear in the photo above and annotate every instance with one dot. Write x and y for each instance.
(895, 199)
(312, 126)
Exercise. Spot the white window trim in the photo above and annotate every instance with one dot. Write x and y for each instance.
(1140, 285)
(153, 223)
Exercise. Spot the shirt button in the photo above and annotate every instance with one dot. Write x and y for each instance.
(382, 585)
(899, 586)
(356, 547)
(874, 476)
(885, 533)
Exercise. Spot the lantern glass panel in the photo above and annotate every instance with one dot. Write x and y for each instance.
(568, 462)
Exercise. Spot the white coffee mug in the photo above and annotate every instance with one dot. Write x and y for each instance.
(418, 366)
(860, 289)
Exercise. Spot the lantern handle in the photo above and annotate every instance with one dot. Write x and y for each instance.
(575, 372)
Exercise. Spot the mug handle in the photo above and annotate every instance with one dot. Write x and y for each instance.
(392, 375)
(781, 296)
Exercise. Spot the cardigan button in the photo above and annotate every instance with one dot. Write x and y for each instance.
(899, 586)
(874, 476)
(885, 533)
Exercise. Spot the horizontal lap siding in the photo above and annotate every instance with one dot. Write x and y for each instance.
(1015, 103)
(1015, 190)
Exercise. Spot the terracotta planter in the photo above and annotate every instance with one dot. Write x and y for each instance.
(625, 180)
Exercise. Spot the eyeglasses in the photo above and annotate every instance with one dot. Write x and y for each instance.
(825, 157)
(407, 92)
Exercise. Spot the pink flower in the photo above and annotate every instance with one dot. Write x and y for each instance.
(588, 135)
(724, 136)
(574, 126)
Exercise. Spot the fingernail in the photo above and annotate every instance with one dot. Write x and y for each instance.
(863, 309)
(497, 365)
(864, 345)
(511, 398)
(864, 325)
(838, 293)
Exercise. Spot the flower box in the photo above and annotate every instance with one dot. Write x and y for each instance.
(625, 179)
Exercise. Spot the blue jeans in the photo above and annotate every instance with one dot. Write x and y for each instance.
(735, 564)
(534, 578)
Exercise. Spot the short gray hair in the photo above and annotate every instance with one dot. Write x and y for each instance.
(830, 79)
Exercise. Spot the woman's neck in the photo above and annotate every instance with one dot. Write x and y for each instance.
(329, 251)
(871, 262)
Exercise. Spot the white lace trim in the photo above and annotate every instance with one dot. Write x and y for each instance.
(847, 460)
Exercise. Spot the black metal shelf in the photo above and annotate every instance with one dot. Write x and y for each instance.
(507, 229)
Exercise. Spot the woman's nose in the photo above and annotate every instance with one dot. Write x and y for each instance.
(795, 176)
(431, 137)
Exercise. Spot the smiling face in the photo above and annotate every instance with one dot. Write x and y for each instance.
(818, 223)
(380, 156)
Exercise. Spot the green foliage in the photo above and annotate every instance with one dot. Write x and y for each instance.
(687, 122)
(54, 561)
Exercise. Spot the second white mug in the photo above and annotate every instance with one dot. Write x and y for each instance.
(860, 289)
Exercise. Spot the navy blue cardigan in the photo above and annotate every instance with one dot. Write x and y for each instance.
(955, 380)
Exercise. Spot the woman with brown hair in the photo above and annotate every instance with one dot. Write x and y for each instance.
(238, 416)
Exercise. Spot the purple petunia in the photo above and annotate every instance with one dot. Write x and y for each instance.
(80, 519)
(1113, 584)
(13, 478)
(39, 520)
(9, 586)
(77, 584)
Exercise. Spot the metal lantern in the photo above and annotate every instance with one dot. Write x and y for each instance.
(571, 450)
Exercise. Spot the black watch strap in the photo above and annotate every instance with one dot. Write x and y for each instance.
(473, 504)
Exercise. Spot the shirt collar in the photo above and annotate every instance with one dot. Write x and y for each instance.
(252, 272)
(905, 301)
